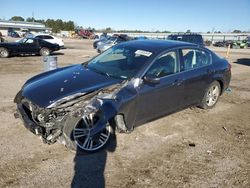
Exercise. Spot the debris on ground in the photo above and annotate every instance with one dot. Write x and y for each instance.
(191, 144)
(224, 128)
(209, 152)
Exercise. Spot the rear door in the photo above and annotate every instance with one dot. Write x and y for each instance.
(197, 71)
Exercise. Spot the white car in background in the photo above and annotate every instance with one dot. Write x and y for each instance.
(51, 39)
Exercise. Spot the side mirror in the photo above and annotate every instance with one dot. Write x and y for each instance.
(151, 79)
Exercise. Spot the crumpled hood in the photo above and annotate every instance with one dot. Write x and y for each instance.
(48, 87)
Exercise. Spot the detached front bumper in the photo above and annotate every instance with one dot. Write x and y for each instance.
(28, 123)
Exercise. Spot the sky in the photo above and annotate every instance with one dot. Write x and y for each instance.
(150, 15)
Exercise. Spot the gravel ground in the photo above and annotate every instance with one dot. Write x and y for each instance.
(191, 148)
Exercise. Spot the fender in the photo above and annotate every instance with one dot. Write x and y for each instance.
(108, 112)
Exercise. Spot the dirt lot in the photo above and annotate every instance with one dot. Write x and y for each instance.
(157, 154)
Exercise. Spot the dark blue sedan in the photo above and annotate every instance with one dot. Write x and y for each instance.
(125, 86)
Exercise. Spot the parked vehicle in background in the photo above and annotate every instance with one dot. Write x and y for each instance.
(115, 39)
(219, 44)
(140, 38)
(187, 37)
(224, 43)
(241, 44)
(13, 34)
(131, 83)
(207, 43)
(248, 41)
(86, 33)
(233, 44)
(23, 32)
(50, 38)
(100, 41)
(29, 35)
(28, 46)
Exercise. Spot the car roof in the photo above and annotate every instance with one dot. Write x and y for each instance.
(44, 34)
(35, 39)
(157, 45)
(32, 38)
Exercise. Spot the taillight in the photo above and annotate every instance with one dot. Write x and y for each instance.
(229, 66)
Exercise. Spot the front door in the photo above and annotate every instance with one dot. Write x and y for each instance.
(29, 46)
(157, 99)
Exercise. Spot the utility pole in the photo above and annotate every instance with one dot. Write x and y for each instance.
(33, 16)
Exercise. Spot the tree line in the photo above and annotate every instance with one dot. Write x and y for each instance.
(56, 25)
(60, 25)
(110, 30)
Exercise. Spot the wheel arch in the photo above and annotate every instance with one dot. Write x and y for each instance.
(220, 79)
(221, 85)
(120, 122)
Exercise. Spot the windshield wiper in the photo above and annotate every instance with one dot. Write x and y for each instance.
(98, 71)
(105, 73)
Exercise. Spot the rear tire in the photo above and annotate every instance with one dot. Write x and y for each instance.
(211, 96)
(44, 52)
(4, 52)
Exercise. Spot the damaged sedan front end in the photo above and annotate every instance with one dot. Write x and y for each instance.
(78, 121)
(127, 85)
(84, 120)
(47, 122)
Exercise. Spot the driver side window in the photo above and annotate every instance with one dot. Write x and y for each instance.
(29, 41)
(164, 65)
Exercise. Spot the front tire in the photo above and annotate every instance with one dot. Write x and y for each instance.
(78, 138)
(4, 52)
(211, 96)
(44, 52)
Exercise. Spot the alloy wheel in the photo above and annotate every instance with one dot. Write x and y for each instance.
(44, 52)
(212, 95)
(82, 137)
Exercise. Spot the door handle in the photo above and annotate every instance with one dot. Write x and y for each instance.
(178, 82)
(209, 71)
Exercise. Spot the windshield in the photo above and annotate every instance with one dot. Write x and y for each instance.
(112, 39)
(22, 40)
(121, 62)
(104, 38)
(26, 40)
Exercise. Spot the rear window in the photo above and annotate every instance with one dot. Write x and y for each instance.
(47, 37)
(195, 58)
(44, 37)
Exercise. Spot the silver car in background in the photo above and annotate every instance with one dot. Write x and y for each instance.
(116, 39)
